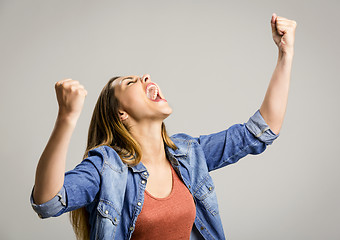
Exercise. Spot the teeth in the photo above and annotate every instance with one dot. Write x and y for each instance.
(149, 92)
(155, 95)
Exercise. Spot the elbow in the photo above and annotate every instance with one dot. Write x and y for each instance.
(51, 208)
(276, 130)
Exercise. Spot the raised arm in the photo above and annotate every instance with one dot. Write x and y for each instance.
(49, 177)
(274, 105)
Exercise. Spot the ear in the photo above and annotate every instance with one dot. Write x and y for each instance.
(123, 115)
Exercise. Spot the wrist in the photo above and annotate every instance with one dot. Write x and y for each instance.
(285, 57)
(68, 119)
(286, 54)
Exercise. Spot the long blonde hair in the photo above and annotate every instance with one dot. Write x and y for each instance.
(106, 128)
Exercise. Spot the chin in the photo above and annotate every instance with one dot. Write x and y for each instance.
(166, 113)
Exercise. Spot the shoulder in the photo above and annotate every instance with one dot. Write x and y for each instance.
(183, 140)
(108, 156)
(180, 137)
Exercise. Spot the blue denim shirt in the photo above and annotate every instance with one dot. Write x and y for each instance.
(113, 193)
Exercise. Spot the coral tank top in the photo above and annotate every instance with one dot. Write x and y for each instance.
(167, 218)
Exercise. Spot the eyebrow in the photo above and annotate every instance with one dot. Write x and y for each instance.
(125, 79)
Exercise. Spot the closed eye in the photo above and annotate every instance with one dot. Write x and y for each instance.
(131, 82)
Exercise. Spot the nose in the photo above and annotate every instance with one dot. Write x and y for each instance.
(145, 78)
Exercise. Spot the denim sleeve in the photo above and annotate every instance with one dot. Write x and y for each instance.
(81, 185)
(257, 126)
(228, 146)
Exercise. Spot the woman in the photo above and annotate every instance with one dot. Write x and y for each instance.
(136, 182)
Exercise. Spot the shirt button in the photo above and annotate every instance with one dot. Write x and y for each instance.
(145, 173)
(202, 228)
(106, 212)
(115, 219)
(131, 228)
(143, 181)
(189, 186)
(210, 188)
(139, 203)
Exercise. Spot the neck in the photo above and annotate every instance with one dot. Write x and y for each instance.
(149, 136)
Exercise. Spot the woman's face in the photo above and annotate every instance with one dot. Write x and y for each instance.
(140, 98)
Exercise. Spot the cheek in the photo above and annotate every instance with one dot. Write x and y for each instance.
(133, 101)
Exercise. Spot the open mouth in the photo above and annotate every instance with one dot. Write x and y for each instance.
(152, 92)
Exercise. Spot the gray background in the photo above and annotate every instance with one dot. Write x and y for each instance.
(213, 61)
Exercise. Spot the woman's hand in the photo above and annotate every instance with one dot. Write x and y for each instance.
(70, 96)
(283, 31)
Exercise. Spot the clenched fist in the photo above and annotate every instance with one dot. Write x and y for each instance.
(70, 96)
(283, 31)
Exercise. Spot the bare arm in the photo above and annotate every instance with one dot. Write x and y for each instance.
(50, 170)
(274, 105)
